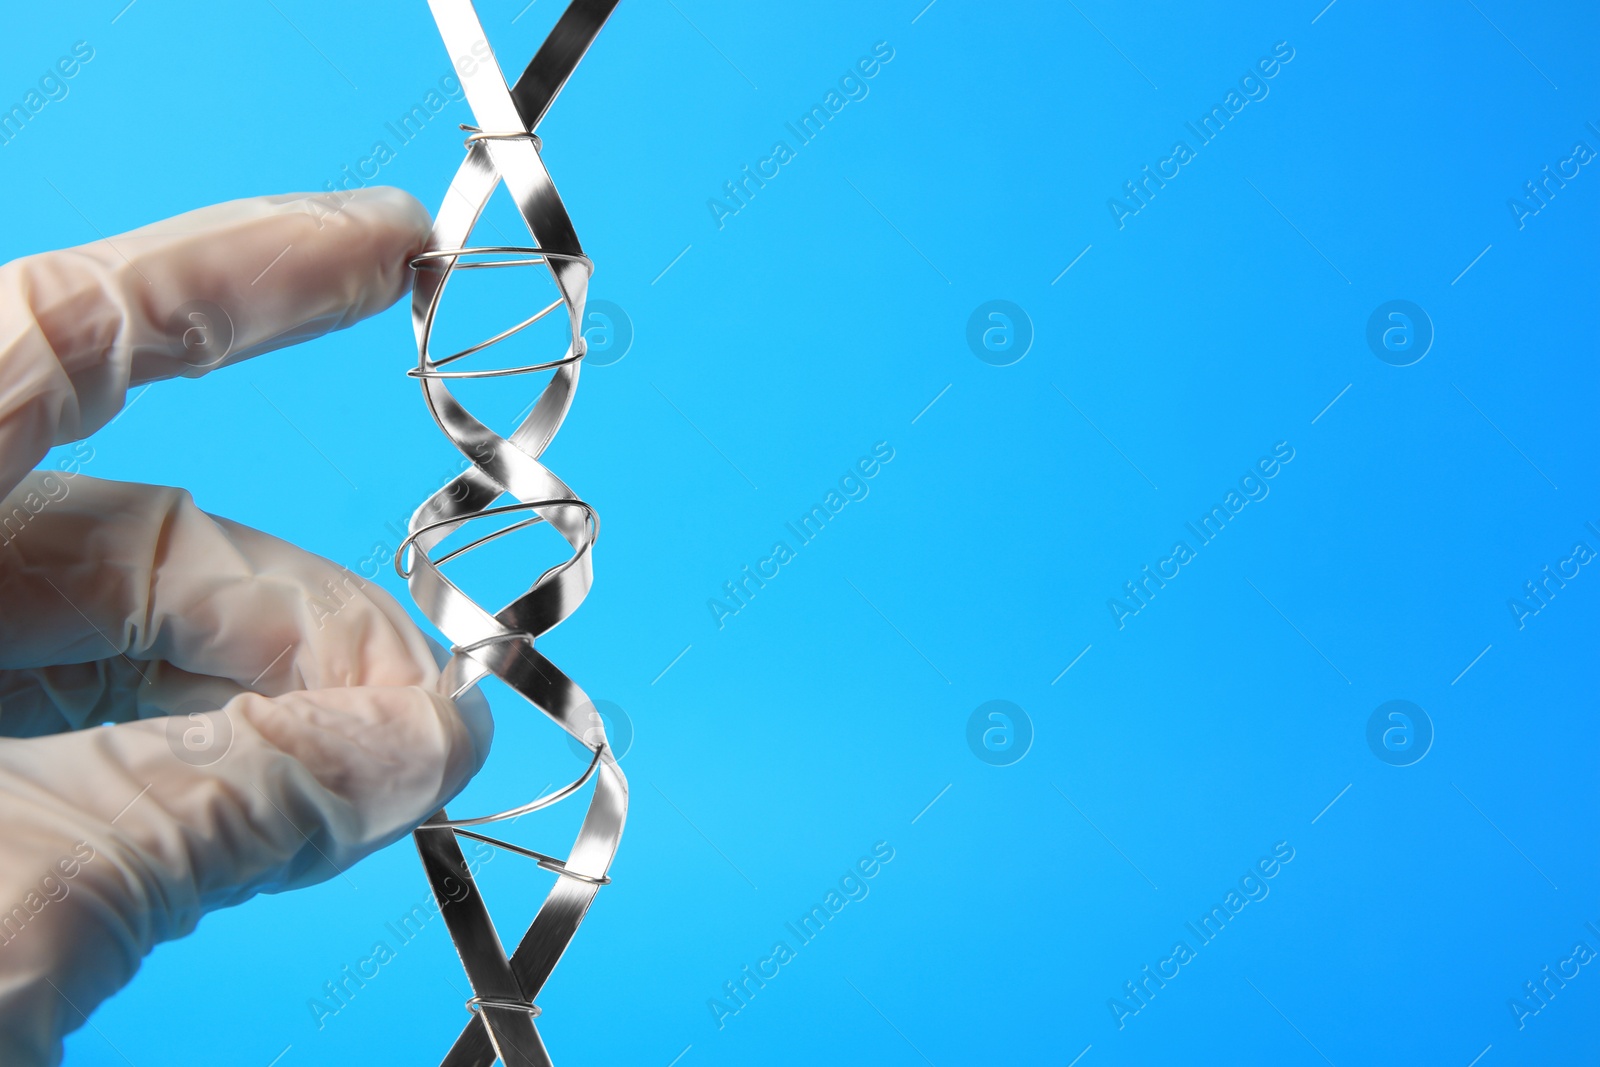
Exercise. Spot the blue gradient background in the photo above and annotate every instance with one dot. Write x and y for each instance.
(824, 718)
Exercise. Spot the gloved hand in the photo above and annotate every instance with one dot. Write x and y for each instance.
(123, 603)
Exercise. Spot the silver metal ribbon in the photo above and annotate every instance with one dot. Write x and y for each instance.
(503, 147)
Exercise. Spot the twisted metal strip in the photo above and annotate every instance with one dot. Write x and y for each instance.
(503, 147)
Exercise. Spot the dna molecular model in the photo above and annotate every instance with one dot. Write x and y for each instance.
(503, 147)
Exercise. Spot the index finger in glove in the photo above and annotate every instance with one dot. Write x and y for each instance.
(183, 296)
(116, 581)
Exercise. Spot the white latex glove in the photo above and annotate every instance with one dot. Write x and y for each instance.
(125, 603)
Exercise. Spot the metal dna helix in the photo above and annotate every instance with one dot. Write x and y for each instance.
(504, 148)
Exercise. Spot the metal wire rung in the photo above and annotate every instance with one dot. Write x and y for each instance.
(426, 260)
(477, 1004)
(537, 804)
(549, 863)
(515, 135)
(408, 544)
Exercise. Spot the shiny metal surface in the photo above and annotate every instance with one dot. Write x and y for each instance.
(503, 148)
